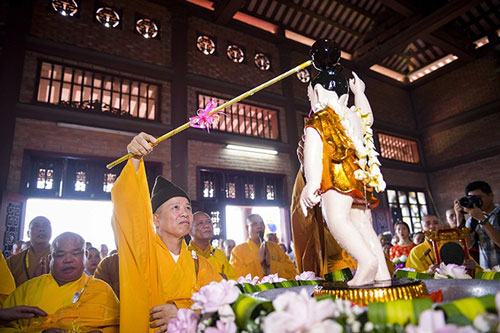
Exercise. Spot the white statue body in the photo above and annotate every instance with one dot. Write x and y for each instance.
(351, 226)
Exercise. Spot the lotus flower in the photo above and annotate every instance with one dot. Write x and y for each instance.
(222, 327)
(295, 312)
(434, 321)
(451, 271)
(306, 276)
(186, 322)
(271, 278)
(248, 279)
(215, 295)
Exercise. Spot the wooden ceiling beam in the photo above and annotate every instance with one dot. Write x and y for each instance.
(225, 10)
(317, 16)
(374, 51)
(442, 40)
(400, 7)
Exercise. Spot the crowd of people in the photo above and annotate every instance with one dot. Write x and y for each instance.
(68, 284)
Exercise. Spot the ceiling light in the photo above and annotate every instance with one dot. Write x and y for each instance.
(253, 149)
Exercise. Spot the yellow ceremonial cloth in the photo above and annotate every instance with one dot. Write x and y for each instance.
(97, 307)
(7, 283)
(339, 157)
(315, 248)
(216, 258)
(149, 276)
(108, 271)
(26, 261)
(245, 260)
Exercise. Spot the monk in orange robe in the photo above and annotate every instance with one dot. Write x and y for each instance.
(33, 261)
(71, 299)
(158, 274)
(261, 258)
(201, 234)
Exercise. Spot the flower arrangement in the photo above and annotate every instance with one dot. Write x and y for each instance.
(451, 271)
(399, 262)
(221, 307)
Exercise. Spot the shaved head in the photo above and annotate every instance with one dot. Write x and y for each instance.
(67, 257)
(76, 239)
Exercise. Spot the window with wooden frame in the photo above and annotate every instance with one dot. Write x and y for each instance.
(238, 187)
(399, 149)
(408, 206)
(92, 91)
(75, 177)
(244, 119)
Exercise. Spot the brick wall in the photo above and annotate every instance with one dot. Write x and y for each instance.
(462, 139)
(471, 86)
(30, 74)
(449, 184)
(212, 155)
(404, 178)
(47, 136)
(85, 31)
(218, 66)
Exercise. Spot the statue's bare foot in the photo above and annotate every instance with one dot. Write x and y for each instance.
(382, 274)
(364, 275)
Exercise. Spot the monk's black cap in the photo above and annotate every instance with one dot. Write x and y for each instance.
(164, 190)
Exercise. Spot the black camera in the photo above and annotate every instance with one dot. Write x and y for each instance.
(471, 200)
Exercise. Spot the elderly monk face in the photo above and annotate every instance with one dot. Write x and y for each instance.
(255, 224)
(67, 258)
(202, 226)
(40, 230)
(430, 223)
(174, 217)
(93, 259)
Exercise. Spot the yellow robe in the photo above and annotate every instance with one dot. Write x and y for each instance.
(97, 307)
(107, 270)
(26, 262)
(7, 283)
(245, 260)
(217, 259)
(417, 260)
(315, 248)
(149, 276)
(420, 262)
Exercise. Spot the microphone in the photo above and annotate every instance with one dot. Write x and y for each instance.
(261, 236)
(427, 253)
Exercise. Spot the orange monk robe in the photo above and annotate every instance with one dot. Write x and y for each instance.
(24, 264)
(107, 270)
(149, 276)
(217, 259)
(95, 308)
(315, 248)
(7, 283)
(245, 260)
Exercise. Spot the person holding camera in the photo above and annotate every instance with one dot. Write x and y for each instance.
(483, 221)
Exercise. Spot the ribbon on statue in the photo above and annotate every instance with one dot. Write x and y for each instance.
(204, 119)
